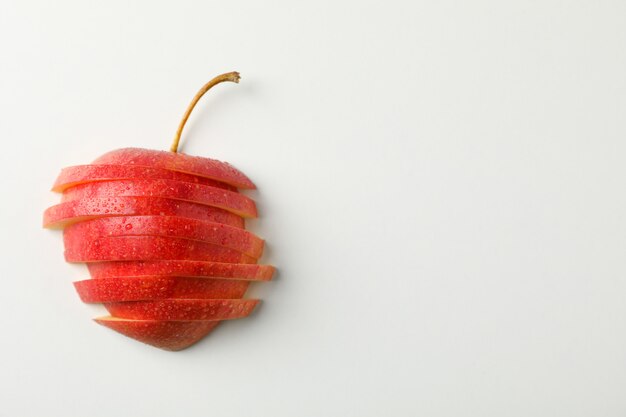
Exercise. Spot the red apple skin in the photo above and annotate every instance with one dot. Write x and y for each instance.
(185, 261)
(167, 335)
(169, 226)
(138, 248)
(64, 214)
(196, 165)
(109, 290)
(81, 174)
(183, 268)
(182, 309)
(196, 193)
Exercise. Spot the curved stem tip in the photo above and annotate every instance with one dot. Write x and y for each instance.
(229, 76)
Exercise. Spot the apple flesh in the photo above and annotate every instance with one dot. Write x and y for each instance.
(64, 214)
(137, 248)
(195, 165)
(183, 309)
(167, 335)
(197, 193)
(108, 290)
(169, 226)
(182, 268)
(81, 174)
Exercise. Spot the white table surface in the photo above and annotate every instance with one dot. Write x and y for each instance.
(441, 185)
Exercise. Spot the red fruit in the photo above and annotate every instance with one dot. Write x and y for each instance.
(81, 174)
(214, 233)
(182, 309)
(163, 234)
(185, 268)
(138, 248)
(197, 193)
(168, 335)
(108, 290)
(204, 167)
(64, 214)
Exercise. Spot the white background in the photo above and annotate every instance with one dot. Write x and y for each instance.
(441, 185)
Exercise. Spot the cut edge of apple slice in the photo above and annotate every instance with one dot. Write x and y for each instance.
(62, 223)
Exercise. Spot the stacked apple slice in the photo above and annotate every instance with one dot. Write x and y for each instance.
(164, 239)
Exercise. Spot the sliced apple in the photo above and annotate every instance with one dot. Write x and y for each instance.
(182, 309)
(108, 290)
(205, 167)
(64, 214)
(214, 233)
(163, 235)
(197, 193)
(167, 335)
(80, 174)
(239, 271)
(138, 248)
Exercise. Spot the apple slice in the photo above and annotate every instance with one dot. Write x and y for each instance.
(250, 272)
(179, 190)
(215, 233)
(108, 290)
(196, 165)
(138, 248)
(80, 174)
(167, 335)
(64, 214)
(183, 309)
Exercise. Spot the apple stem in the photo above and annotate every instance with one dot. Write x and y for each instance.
(229, 76)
